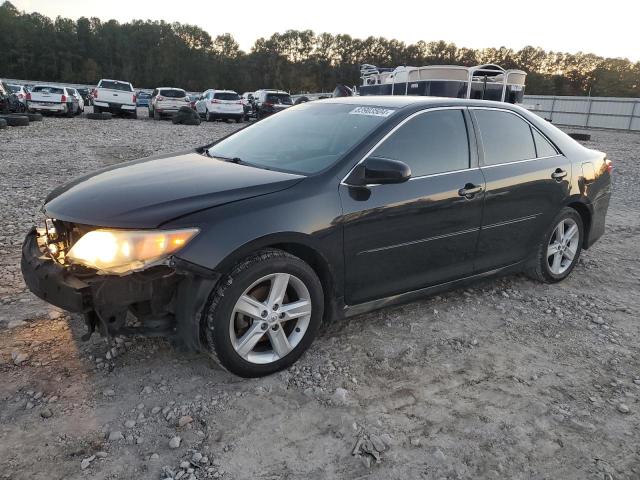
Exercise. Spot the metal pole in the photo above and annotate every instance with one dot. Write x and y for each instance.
(553, 106)
(586, 124)
(633, 113)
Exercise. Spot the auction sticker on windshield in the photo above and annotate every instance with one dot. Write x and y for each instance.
(373, 111)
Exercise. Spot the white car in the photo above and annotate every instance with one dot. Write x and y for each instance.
(114, 96)
(223, 104)
(79, 98)
(167, 101)
(53, 99)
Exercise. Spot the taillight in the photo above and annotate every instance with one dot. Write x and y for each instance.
(134, 98)
(28, 95)
(63, 99)
(268, 104)
(20, 95)
(95, 93)
(159, 98)
(215, 100)
(609, 165)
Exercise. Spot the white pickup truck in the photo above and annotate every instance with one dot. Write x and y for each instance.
(114, 96)
(52, 99)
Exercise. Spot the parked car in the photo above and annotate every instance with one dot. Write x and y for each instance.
(4, 97)
(220, 104)
(244, 246)
(143, 99)
(19, 94)
(268, 102)
(78, 97)
(193, 98)
(166, 101)
(247, 104)
(114, 96)
(84, 93)
(52, 99)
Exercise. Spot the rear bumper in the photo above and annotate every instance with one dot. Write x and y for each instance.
(598, 218)
(59, 107)
(114, 106)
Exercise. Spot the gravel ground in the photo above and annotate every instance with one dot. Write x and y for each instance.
(509, 379)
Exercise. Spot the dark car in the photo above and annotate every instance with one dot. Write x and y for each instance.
(5, 97)
(84, 93)
(243, 247)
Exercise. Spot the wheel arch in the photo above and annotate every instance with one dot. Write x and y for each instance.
(300, 245)
(583, 208)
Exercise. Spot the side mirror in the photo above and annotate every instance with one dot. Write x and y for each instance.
(377, 171)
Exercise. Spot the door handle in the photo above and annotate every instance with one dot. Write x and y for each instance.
(559, 174)
(469, 191)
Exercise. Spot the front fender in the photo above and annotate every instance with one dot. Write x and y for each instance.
(231, 232)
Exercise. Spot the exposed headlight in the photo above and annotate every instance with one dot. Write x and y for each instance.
(120, 251)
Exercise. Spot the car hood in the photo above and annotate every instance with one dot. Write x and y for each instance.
(148, 192)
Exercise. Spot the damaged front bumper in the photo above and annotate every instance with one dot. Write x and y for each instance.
(165, 300)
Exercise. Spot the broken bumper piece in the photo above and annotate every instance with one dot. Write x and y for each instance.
(160, 301)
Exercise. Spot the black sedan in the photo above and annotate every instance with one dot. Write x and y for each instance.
(243, 247)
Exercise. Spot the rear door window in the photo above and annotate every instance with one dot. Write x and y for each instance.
(543, 146)
(505, 137)
(432, 142)
(226, 96)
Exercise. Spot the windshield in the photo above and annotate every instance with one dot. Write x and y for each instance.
(304, 139)
(226, 96)
(14, 88)
(54, 90)
(281, 98)
(144, 95)
(172, 93)
(113, 85)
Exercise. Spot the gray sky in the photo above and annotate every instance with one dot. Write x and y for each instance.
(608, 28)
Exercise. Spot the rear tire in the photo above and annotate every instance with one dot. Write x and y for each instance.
(16, 120)
(279, 341)
(559, 249)
(208, 117)
(34, 117)
(3, 123)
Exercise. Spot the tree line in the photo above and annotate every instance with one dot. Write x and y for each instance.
(154, 53)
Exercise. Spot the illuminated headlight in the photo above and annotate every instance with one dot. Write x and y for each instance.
(121, 251)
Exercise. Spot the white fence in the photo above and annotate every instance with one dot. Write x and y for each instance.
(595, 112)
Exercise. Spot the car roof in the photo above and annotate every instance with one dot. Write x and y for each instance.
(402, 101)
(223, 91)
(171, 88)
(112, 80)
(44, 85)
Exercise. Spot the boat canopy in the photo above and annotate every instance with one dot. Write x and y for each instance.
(489, 81)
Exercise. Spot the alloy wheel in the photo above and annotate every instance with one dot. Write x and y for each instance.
(270, 318)
(563, 246)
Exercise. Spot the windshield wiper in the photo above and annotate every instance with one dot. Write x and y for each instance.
(237, 160)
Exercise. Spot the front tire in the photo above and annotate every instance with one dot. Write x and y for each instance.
(559, 250)
(264, 314)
